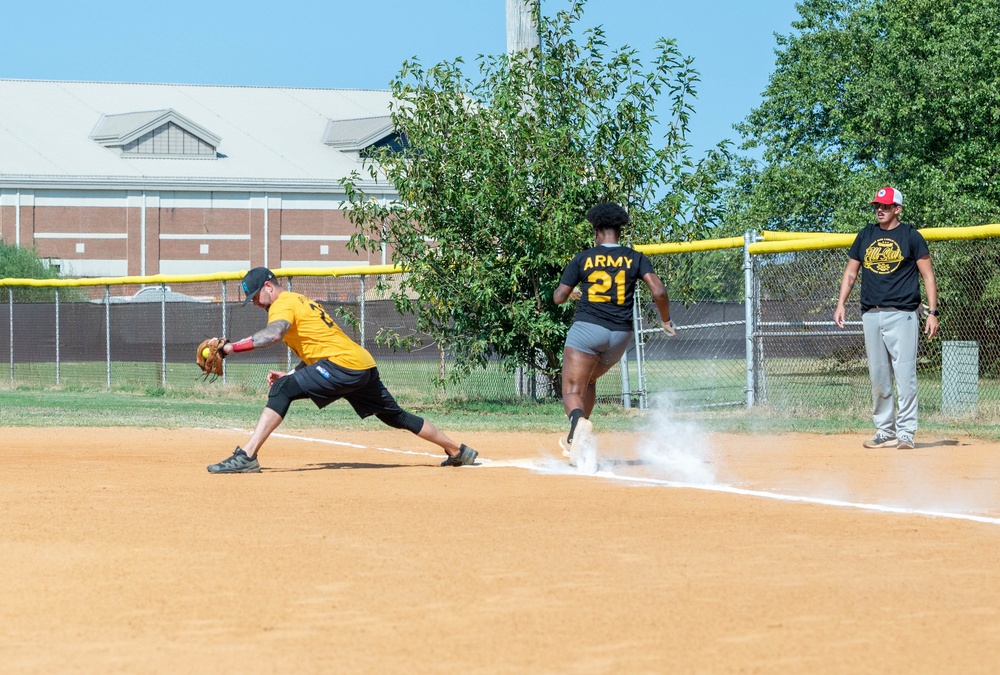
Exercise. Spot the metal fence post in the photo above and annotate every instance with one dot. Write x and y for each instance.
(759, 372)
(163, 335)
(626, 386)
(362, 311)
(288, 350)
(636, 336)
(57, 336)
(223, 327)
(640, 352)
(748, 312)
(107, 332)
(10, 299)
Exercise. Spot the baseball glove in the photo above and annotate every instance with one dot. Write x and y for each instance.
(209, 357)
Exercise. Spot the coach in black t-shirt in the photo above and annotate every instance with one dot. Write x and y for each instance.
(602, 325)
(894, 256)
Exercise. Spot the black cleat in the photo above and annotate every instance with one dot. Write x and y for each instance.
(465, 456)
(237, 463)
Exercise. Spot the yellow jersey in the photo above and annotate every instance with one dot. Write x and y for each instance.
(313, 335)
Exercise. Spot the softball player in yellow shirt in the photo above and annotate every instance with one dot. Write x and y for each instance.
(332, 367)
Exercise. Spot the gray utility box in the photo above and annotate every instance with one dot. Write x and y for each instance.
(959, 377)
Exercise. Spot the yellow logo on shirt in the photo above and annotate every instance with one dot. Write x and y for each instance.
(883, 256)
(606, 261)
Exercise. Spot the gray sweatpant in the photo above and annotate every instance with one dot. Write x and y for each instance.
(891, 342)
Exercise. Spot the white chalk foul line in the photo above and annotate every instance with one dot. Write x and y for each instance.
(354, 445)
(533, 465)
(801, 499)
(325, 441)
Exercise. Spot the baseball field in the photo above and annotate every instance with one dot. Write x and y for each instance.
(687, 551)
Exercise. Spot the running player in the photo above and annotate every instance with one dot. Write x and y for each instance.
(602, 325)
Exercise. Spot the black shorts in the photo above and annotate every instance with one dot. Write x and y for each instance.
(325, 382)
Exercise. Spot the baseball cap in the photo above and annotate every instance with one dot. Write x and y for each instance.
(254, 281)
(888, 195)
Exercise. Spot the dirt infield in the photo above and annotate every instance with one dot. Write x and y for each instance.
(121, 554)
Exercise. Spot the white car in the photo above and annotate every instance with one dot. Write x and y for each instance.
(155, 294)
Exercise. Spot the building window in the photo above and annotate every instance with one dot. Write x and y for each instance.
(156, 133)
(168, 139)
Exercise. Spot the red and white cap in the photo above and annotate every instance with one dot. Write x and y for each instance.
(888, 195)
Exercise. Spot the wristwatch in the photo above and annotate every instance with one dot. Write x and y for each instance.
(934, 312)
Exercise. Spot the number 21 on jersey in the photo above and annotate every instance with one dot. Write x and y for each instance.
(322, 315)
(602, 282)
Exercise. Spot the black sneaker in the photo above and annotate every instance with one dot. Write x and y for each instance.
(238, 463)
(465, 456)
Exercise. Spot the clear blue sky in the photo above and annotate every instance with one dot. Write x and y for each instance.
(361, 44)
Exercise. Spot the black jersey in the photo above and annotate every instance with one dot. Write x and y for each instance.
(889, 276)
(606, 275)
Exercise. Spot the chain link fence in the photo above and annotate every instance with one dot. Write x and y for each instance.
(135, 337)
(756, 331)
(805, 365)
(704, 365)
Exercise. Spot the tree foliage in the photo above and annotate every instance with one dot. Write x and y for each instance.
(23, 263)
(495, 176)
(867, 93)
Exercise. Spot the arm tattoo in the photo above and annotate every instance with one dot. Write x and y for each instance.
(270, 334)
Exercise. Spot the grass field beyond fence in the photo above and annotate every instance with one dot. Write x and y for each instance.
(233, 407)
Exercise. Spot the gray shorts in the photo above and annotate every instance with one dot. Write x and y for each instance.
(590, 338)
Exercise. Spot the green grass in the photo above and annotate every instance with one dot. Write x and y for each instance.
(228, 408)
(698, 382)
(233, 408)
(802, 395)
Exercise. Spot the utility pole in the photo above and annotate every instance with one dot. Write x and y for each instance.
(522, 29)
(522, 35)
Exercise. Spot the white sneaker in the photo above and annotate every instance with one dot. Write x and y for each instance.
(583, 450)
(905, 442)
(565, 444)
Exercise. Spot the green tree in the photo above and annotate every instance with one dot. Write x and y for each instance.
(23, 263)
(495, 177)
(867, 93)
(873, 92)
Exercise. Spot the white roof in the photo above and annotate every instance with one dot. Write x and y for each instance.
(269, 137)
(356, 134)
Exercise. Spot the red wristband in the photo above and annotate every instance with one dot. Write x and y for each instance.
(244, 345)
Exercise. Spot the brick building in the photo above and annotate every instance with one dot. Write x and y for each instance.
(111, 179)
